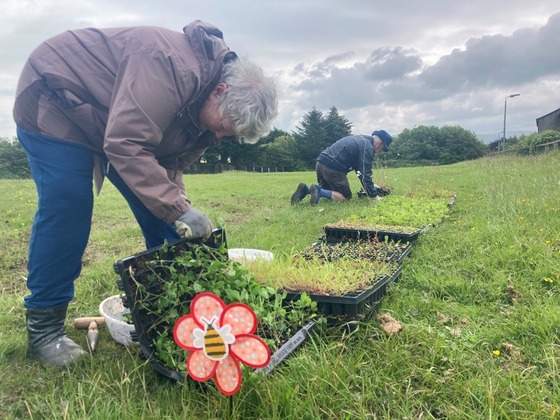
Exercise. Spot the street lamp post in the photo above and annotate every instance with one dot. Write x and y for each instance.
(505, 110)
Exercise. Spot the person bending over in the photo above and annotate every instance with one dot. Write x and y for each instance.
(135, 105)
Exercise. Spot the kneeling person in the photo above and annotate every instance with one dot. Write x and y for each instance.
(333, 164)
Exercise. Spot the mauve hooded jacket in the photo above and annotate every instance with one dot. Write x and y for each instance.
(132, 94)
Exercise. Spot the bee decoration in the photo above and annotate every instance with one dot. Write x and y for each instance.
(214, 340)
(218, 338)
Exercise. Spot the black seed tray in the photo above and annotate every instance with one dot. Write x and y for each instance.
(343, 234)
(351, 306)
(134, 271)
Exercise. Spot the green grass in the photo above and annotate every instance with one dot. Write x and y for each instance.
(478, 298)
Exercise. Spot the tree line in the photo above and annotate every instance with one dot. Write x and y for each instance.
(297, 151)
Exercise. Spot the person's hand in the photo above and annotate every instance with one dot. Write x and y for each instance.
(193, 224)
(376, 199)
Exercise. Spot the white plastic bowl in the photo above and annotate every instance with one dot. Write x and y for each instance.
(112, 310)
(244, 255)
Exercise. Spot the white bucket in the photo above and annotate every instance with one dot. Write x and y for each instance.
(113, 310)
(244, 255)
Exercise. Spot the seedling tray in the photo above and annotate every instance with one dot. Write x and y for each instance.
(345, 234)
(135, 271)
(351, 306)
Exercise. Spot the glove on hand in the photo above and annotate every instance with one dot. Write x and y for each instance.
(193, 224)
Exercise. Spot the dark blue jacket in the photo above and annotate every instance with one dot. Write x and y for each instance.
(352, 153)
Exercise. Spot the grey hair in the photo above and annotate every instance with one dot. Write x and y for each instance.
(250, 101)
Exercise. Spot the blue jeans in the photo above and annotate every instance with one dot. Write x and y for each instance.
(63, 174)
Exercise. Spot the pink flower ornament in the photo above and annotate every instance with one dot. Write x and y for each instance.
(218, 337)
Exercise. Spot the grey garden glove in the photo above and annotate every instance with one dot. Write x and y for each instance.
(193, 224)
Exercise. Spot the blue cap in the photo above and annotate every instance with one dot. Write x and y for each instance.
(385, 138)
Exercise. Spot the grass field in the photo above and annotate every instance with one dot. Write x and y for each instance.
(478, 298)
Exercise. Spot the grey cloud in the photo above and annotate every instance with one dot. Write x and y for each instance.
(390, 63)
(355, 86)
(339, 58)
(328, 86)
(370, 61)
(497, 60)
(409, 89)
(396, 75)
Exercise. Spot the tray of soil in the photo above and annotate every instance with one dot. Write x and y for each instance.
(346, 231)
(373, 249)
(159, 285)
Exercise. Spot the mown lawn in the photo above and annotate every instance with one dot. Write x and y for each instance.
(478, 299)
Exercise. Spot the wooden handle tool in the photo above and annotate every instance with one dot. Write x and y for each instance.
(83, 323)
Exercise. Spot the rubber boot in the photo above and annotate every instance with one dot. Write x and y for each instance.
(48, 341)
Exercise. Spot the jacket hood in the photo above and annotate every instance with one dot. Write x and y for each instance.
(206, 40)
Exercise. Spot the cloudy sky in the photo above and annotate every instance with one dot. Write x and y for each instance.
(390, 65)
